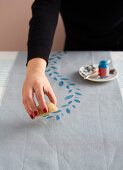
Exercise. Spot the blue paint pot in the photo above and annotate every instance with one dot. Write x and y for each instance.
(103, 69)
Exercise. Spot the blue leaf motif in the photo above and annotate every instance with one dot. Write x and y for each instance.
(72, 84)
(77, 89)
(49, 117)
(69, 102)
(68, 111)
(70, 91)
(51, 59)
(62, 114)
(59, 52)
(54, 62)
(53, 67)
(68, 97)
(53, 55)
(64, 105)
(57, 111)
(73, 106)
(57, 117)
(50, 74)
(55, 72)
(78, 93)
(77, 101)
(55, 78)
(64, 79)
(67, 87)
(48, 70)
(61, 83)
(58, 57)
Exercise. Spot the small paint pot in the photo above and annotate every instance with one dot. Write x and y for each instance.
(103, 71)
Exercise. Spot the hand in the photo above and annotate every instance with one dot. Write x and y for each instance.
(36, 82)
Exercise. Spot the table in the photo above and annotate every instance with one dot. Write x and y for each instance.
(86, 132)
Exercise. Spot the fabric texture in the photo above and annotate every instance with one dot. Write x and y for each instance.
(87, 131)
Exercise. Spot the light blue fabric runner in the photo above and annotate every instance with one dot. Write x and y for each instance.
(87, 131)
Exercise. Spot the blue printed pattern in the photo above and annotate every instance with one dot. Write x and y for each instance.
(72, 98)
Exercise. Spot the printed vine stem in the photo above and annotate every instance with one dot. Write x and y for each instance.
(73, 95)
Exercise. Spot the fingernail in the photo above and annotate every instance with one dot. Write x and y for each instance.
(32, 117)
(35, 113)
(45, 110)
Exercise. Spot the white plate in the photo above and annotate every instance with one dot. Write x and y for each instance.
(85, 71)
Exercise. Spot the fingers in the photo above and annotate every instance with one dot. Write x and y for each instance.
(41, 100)
(30, 104)
(29, 111)
(51, 95)
(39, 88)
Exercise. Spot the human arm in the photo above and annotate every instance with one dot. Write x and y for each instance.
(42, 28)
(41, 33)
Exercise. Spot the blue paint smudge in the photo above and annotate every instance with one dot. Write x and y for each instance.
(68, 97)
(62, 114)
(77, 101)
(68, 111)
(77, 89)
(73, 106)
(57, 117)
(61, 83)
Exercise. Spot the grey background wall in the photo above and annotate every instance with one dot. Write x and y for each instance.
(14, 25)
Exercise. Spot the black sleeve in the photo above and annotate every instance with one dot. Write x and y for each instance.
(42, 28)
